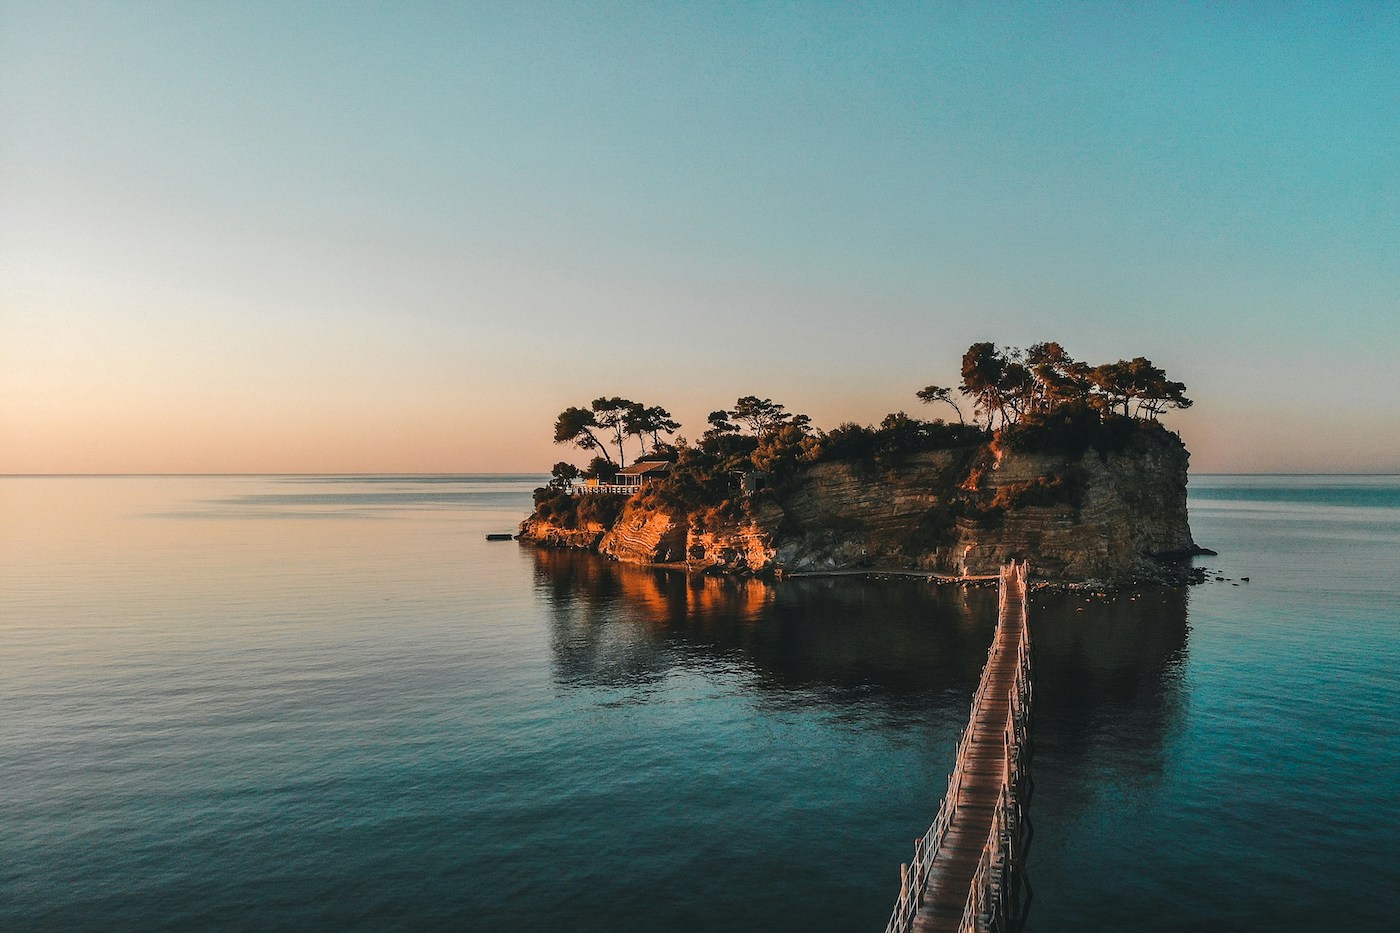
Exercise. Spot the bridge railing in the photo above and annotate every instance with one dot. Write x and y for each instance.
(994, 902)
(914, 876)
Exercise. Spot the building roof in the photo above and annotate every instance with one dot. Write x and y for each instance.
(646, 468)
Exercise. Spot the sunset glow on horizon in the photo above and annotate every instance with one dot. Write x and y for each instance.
(359, 237)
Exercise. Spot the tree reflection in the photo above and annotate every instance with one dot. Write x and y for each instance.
(1109, 674)
(1109, 668)
(828, 640)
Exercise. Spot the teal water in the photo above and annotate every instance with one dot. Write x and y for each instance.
(329, 703)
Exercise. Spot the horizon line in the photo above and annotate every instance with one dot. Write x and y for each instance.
(118, 475)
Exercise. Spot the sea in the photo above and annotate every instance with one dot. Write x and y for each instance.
(329, 703)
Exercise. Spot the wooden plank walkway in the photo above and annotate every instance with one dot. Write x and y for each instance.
(962, 864)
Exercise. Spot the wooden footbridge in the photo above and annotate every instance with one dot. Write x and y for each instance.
(967, 873)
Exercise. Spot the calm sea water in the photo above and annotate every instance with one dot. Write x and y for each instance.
(328, 703)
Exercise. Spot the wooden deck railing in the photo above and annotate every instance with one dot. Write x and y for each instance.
(603, 488)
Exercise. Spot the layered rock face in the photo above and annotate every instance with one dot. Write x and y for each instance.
(645, 537)
(1129, 525)
(1112, 518)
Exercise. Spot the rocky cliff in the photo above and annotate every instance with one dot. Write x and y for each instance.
(1107, 517)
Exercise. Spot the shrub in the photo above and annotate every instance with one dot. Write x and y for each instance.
(1072, 428)
(1068, 429)
(1057, 489)
(599, 509)
(897, 437)
(554, 505)
(848, 443)
(566, 511)
(602, 469)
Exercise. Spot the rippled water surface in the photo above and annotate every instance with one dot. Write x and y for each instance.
(329, 703)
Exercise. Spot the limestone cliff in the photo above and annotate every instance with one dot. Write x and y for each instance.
(645, 536)
(1116, 518)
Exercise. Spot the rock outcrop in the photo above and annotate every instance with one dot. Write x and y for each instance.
(643, 536)
(1110, 518)
(1128, 524)
(544, 532)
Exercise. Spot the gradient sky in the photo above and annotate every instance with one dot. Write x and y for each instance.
(402, 237)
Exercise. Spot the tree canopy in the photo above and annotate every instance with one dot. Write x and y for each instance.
(616, 419)
(1050, 399)
(930, 394)
(763, 416)
(651, 421)
(1006, 384)
(575, 426)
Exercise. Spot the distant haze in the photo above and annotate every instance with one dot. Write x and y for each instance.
(402, 237)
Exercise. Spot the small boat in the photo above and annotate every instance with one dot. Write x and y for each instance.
(506, 537)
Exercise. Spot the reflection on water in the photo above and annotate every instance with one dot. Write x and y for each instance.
(1110, 688)
(833, 640)
(1112, 660)
(1110, 671)
(375, 723)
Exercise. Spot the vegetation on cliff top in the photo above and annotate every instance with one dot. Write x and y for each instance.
(1038, 400)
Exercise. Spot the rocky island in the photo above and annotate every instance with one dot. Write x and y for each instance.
(1064, 463)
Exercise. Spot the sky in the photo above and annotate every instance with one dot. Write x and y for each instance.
(402, 237)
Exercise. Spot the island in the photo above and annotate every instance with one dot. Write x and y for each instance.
(1060, 462)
